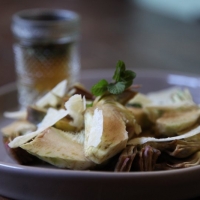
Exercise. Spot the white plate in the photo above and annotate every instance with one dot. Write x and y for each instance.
(44, 182)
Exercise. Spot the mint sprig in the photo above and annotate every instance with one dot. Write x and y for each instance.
(100, 88)
(122, 80)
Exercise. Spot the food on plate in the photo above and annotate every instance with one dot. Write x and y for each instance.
(114, 127)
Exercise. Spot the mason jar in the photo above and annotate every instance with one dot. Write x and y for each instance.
(46, 51)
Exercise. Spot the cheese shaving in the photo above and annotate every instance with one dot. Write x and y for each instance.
(95, 134)
(76, 105)
(49, 120)
(142, 140)
(21, 114)
(52, 98)
(60, 89)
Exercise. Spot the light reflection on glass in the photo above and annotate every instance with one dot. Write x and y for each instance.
(183, 80)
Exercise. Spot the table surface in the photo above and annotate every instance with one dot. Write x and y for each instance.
(3, 198)
(113, 30)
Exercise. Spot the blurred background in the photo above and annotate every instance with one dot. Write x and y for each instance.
(155, 34)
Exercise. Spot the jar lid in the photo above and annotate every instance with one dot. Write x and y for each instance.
(46, 25)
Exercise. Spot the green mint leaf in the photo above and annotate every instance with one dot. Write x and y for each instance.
(116, 88)
(128, 75)
(128, 83)
(99, 88)
(120, 69)
(122, 80)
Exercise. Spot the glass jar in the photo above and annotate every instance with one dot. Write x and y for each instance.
(46, 51)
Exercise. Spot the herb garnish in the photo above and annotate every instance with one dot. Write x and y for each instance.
(122, 80)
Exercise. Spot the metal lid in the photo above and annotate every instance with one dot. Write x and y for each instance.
(46, 25)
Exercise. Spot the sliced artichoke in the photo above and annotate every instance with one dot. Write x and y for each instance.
(167, 100)
(78, 88)
(65, 125)
(108, 125)
(173, 122)
(75, 107)
(13, 130)
(35, 114)
(17, 128)
(105, 134)
(141, 117)
(61, 149)
(141, 99)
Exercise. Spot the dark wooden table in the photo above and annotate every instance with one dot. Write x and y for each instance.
(113, 30)
(4, 198)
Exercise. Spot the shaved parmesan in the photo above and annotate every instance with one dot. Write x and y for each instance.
(53, 116)
(52, 98)
(49, 120)
(21, 114)
(60, 89)
(76, 105)
(96, 131)
(142, 140)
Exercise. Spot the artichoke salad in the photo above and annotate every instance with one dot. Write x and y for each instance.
(113, 128)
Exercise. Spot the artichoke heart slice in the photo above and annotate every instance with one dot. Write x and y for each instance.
(108, 137)
(17, 128)
(59, 148)
(171, 123)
